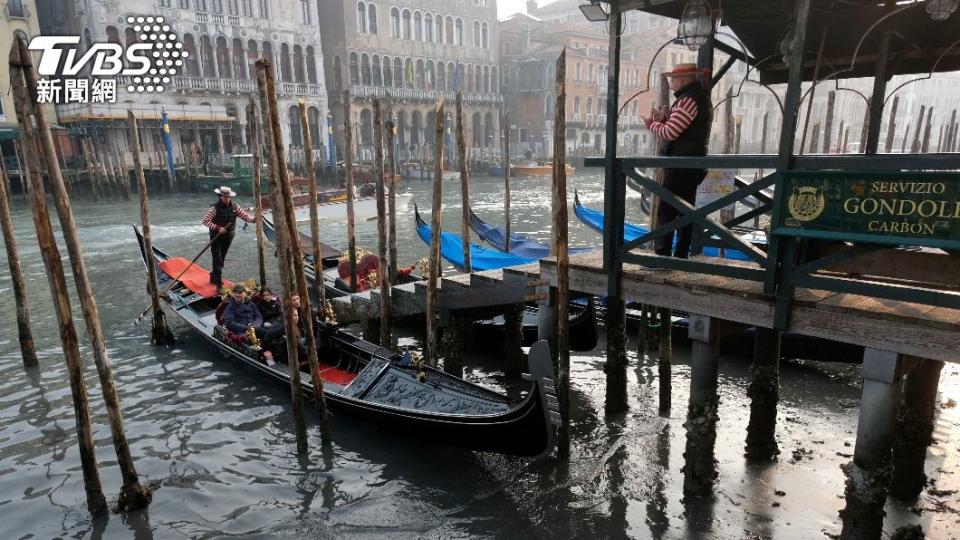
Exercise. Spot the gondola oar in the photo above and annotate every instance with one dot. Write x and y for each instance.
(176, 280)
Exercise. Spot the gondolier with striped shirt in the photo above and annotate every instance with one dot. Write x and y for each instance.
(221, 219)
(683, 131)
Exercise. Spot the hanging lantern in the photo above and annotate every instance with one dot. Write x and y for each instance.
(940, 10)
(696, 24)
(786, 42)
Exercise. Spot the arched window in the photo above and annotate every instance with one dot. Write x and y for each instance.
(476, 134)
(417, 26)
(372, 24)
(415, 127)
(337, 74)
(293, 118)
(313, 120)
(406, 24)
(449, 38)
(252, 56)
(354, 69)
(361, 18)
(365, 69)
(484, 39)
(493, 80)
(366, 127)
(486, 79)
(268, 52)
(459, 40)
(420, 77)
(387, 72)
(476, 34)
(398, 73)
(408, 73)
(428, 28)
(113, 36)
(441, 81)
(298, 64)
(429, 79)
(439, 32)
(451, 77)
(286, 74)
(189, 47)
(402, 130)
(469, 78)
(488, 130)
(311, 66)
(395, 23)
(238, 62)
(206, 57)
(430, 129)
(377, 74)
(589, 105)
(461, 77)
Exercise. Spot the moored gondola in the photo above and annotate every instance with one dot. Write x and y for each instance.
(376, 383)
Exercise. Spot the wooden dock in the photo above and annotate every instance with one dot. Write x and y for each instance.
(901, 327)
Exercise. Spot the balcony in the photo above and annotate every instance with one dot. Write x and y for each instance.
(424, 95)
(144, 112)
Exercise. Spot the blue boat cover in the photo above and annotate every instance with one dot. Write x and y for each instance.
(519, 245)
(594, 219)
(481, 258)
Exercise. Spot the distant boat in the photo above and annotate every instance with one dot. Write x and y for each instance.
(334, 206)
(531, 168)
(427, 172)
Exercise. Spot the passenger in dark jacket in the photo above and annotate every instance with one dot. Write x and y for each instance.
(269, 307)
(241, 314)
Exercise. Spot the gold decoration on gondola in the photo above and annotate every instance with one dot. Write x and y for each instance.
(424, 266)
(417, 359)
(328, 313)
(252, 338)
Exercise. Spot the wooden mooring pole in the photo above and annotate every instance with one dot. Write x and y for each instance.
(700, 470)
(434, 265)
(27, 350)
(133, 495)
(384, 277)
(914, 429)
(764, 393)
(271, 133)
(254, 136)
(314, 218)
(506, 179)
(392, 200)
(348, 174)
(464, 185)
(560, 235)
(160, 334)
(96, 502)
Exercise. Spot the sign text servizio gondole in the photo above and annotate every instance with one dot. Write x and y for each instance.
(899, 204)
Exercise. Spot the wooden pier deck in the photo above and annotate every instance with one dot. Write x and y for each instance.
(901, 327)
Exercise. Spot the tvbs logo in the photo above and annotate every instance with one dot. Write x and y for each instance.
(146, 65)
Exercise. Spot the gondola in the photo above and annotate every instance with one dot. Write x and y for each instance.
(583, 331)
(594, 219)
(519, 244)
(378, 384)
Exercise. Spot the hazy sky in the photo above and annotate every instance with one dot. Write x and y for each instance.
(509, 7)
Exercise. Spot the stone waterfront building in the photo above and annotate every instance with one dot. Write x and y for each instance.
(19, 18)
(206, 100)
(415, 51)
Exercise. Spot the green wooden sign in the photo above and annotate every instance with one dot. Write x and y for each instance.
(920, 208)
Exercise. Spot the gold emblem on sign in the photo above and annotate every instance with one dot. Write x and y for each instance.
(806, 203)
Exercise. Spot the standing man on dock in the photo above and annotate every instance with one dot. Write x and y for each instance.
(683, 131)
(221, 219)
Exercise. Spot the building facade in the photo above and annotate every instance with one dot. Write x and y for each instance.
(206, 100)
(19, 18)
(415, 51)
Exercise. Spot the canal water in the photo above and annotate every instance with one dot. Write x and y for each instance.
(215, 442)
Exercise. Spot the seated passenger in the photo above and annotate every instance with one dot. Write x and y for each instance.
(241, 314)
(269, 307)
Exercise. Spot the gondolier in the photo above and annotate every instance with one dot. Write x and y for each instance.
(683, 131)
(221, 219)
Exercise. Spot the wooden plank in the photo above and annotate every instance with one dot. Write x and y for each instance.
(941, 317)
(722, 306)
(809, 297)
(921, 340)
(924, 267)
(457, 280)
(877, 308)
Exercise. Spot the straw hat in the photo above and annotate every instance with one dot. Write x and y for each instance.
(225, 191)
(684, 69)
